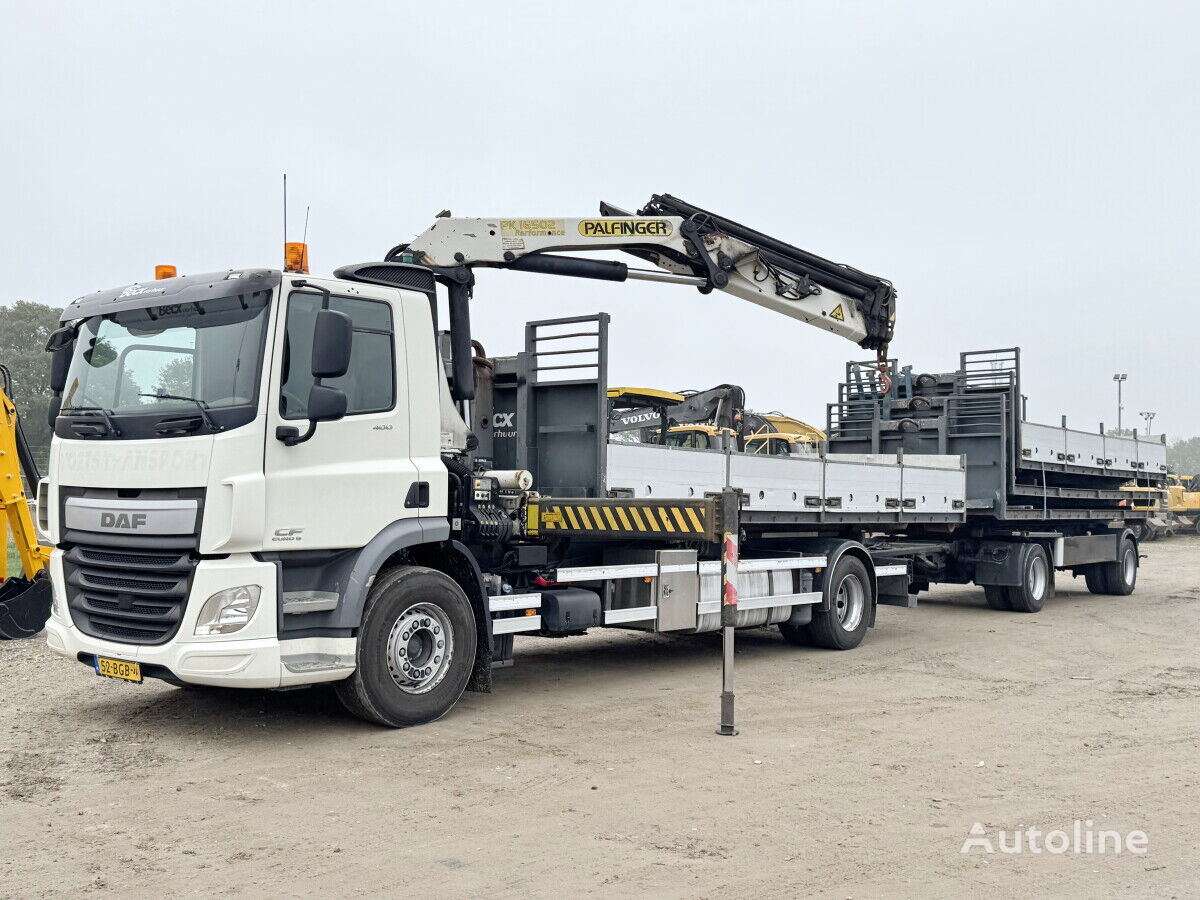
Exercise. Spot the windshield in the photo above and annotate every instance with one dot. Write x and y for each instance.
(170, 359)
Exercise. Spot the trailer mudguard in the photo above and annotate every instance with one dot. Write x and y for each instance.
(833, 549)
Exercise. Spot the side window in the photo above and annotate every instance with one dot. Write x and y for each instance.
(369, 383)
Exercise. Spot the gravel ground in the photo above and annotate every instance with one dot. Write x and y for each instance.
(593, 767)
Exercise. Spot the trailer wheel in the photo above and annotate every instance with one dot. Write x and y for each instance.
(997, 597)
(1037, 581)
(1096, 579)
(1119, 577)
(416, 649)
(844, 624)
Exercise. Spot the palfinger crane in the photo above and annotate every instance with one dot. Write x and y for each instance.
(689, 246)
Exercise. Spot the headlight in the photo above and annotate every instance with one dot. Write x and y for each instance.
(228, 611)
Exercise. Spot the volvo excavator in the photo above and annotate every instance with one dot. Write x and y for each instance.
(24, 598)
(647, 415)
(701, 420)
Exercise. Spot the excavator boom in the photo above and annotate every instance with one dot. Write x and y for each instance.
(24, 598)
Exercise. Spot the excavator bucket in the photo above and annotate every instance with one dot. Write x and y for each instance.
(24, 606)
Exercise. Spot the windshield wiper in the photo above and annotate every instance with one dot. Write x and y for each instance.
(200, 405)
(105, 414)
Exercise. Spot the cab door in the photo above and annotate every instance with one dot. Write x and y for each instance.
(348, 481)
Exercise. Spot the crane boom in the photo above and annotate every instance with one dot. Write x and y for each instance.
(687, 245)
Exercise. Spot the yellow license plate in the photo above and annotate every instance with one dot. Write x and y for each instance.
(118, 668)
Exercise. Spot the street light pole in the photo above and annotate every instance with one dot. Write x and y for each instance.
(1149, 417)
(1119, 378)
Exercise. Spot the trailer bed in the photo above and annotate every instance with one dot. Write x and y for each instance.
(826, 488)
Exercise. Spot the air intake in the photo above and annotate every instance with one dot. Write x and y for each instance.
(390, 274)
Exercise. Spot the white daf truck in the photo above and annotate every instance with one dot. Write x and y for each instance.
(265, 479)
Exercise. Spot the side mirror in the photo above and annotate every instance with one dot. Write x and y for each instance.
(60, 338)
(325, 404)
(60, 343)
(332, 337)
(60, 364)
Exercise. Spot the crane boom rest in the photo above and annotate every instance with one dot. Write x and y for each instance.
(689, 246)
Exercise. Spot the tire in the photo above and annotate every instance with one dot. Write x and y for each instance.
(402, 676)
(1119, 577)
(1097, 582)
(796, 635)
(844, 624)
(1037, 581)
(997, 597)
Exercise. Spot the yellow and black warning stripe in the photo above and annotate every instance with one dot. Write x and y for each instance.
(610, 518)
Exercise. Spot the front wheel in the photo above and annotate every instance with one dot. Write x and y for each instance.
(416, 649)
(844, 624)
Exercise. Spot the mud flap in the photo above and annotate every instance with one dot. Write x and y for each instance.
(24, 606)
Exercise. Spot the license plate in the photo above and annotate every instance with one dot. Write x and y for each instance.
(118, 668)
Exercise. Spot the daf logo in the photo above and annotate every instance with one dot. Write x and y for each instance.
(128, 521)
(503, 420)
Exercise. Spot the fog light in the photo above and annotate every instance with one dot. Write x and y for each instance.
(228, 611)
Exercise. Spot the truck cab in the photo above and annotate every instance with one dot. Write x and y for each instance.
(205, 432)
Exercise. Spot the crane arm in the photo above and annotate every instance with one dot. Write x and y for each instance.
(687, 245)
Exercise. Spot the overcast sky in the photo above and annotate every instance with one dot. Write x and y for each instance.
(1024, 172)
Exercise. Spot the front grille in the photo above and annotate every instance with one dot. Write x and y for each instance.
(127, 584)
(149, 560)
(136, 597)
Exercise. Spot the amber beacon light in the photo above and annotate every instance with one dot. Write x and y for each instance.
(161, 272)
(295, 257)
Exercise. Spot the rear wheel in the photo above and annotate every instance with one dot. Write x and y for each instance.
(416, 649)
(844, 624)
(1037, 581)
(1119, 577)
(1097, 583)
(997, 597)
(795, 634)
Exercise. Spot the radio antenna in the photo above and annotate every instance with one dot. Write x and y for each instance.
(304, 239)
(285, 207)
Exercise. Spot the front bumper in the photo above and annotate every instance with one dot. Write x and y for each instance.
(252, 658)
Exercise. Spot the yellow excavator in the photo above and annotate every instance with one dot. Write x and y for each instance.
(24, 598)
(701, 420)
(1183, 501)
